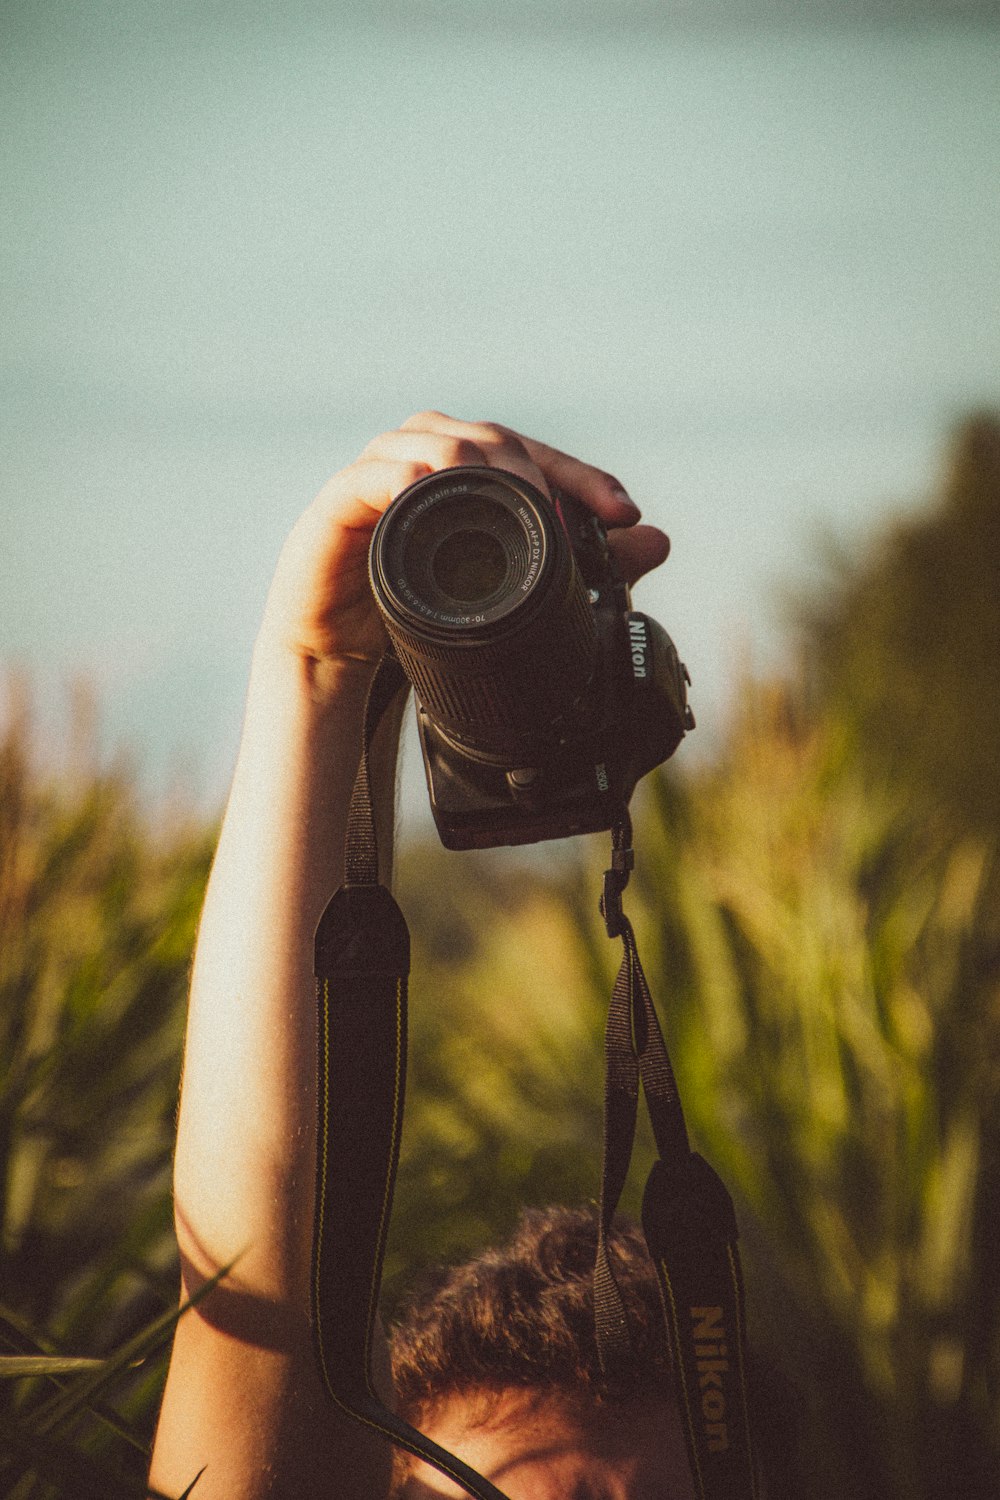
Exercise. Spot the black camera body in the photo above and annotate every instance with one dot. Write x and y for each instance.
(542, 696)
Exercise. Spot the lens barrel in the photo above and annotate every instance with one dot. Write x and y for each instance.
(475, 579)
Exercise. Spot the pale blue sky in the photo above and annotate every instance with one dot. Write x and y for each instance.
(754, 271)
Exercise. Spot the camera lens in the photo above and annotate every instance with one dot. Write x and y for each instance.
(476, 582)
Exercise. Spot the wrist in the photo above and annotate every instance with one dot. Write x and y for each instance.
(282, 671)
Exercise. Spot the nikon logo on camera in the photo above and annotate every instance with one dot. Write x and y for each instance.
(638, 639)
(712, 1363)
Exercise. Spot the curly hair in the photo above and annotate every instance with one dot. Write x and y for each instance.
(522, 1317)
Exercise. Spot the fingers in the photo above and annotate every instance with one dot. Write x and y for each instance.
(602, 492)
(358, 495)
(447, 443)
(606, 495)
(429, 441)
(638, 550)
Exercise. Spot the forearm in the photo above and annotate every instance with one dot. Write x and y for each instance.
(247, 1121)
(243, 1397)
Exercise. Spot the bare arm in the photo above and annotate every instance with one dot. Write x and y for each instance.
(243, 1398)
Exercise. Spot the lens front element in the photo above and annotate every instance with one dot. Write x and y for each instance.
(469, 566)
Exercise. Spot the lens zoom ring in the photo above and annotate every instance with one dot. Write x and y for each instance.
(487, 690)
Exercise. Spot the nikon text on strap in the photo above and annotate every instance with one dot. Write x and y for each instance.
(362, 966)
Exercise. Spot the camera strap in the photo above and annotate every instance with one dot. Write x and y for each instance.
(688, 1221)
(362, 954)
(362, 963)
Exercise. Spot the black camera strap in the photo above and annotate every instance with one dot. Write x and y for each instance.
(688, 1221)
(362, 966)
(362, 963)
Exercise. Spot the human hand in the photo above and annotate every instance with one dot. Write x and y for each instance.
(320, 606)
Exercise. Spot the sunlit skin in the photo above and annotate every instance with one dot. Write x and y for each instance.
(536, 1447)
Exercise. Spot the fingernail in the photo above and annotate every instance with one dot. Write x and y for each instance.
(624, 498)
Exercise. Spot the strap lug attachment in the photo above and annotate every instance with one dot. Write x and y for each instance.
(615, 881)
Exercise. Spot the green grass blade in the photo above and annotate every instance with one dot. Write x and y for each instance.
(26, 1366)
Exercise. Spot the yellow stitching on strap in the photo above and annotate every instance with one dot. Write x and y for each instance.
(734, 1273)
(674, 1326)
(324, 1120)
(387, 1190)
(376, 1426)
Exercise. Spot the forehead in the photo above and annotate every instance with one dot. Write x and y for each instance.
(536, 1448)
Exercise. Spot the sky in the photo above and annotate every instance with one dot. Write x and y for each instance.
(750, 266)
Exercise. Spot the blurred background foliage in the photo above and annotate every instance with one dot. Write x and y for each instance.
(818, 910)
(98, 908)
(905, 643)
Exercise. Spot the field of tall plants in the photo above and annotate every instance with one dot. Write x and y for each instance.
(818, 910)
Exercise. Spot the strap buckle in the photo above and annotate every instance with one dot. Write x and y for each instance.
(615, 881)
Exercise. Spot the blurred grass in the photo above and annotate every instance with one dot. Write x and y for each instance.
(834, 967)
(97, 918)
(826, 962)
(819, 915)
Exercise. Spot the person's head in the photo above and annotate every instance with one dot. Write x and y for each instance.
(497, 1360)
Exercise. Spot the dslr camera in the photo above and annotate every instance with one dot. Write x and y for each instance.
(542, 696)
